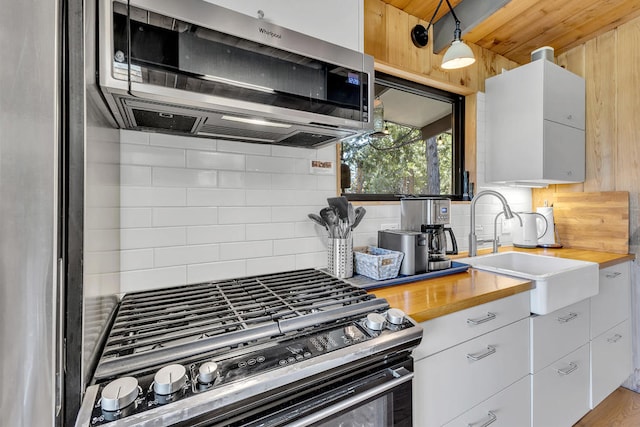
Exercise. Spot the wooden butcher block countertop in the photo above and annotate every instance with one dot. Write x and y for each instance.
(427, 299)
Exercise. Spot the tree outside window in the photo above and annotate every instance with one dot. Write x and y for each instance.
(417, 153)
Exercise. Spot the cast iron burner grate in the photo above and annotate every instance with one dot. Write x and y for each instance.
(165, 325)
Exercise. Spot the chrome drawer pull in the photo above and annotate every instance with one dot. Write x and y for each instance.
(492, 418)
(567, 318)
(490, 350)
(566, 371)
(612, 275)
(615, 338)
(479, 320)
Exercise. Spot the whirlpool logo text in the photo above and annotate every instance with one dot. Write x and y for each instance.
(270, 33)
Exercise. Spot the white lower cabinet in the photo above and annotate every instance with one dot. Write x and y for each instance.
(451, 382)
(558, 333)
(493, 364)
(509, 408)
(560, 392)
(611, 351)
(611, 361)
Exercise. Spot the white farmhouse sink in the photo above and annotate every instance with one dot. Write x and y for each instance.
(559, 282)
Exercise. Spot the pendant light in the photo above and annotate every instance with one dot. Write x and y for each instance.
(459, 54)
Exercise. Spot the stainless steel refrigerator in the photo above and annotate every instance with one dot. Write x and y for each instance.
(44, 124)
(30, 142)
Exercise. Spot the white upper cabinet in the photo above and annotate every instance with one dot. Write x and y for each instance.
(336, 21)
(535, 126)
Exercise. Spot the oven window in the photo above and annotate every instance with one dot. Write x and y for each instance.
(376, 413)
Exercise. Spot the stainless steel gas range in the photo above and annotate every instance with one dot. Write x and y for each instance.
(295, 348)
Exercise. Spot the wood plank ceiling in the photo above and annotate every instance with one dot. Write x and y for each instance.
(522, 26)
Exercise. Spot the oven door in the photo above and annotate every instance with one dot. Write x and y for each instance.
(381, 398)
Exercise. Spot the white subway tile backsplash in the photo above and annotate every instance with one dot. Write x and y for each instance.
(96, 218)
(293, 152)
(196, 209)
(270, 164)
(106, 152)
(174, 177)
(271, 231)
(327, 182)
(294, 182)
(135, 217)
(215, 197)
(245, 250)
(166, 217)
(287, 198)
(216, 271)
(215, 160)
(152, 196)
(215, 234)
(365, 238)
(101, 240)
(101, 262)
(103, 174)
(311, 260)
(156, 278)
(186, 142)
(228, 179)
(257, 180)
(270, 265)
(244, 148)
(185, 255)
(297, 246)
(137, 238)
(137, 259)
(135, 175)
(134, 137)
(308, 229)
(103, 196)
(144, 155)
(327, 154)
(296, 212)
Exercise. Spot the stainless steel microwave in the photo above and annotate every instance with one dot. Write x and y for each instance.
(194, 68)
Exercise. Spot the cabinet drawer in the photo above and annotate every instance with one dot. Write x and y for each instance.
(560, 394)
(558, 333)
(449, 383)
(611, 306)
(446, 331)
(511, 407)
(611, 361)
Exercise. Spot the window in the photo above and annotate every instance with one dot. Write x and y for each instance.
(416, 150)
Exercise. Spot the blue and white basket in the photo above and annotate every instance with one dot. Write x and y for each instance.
(377, 263)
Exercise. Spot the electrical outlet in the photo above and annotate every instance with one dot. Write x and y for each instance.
(391, 226)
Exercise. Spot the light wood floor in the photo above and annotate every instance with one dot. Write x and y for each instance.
(620, 409)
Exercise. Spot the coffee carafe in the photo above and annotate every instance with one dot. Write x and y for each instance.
(437, 244)
(430, 215)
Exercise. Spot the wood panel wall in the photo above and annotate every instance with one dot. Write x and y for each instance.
(387, 37)
(610, 64)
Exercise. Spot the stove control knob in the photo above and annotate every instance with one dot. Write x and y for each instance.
(395, 316)
(375, 321)
(207, 372)
(119, 394)
(169, 379)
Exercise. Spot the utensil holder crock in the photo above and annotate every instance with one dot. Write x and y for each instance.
(340, 257)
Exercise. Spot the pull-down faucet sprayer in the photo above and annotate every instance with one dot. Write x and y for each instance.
(473, 239)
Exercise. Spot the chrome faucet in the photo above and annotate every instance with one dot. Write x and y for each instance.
(473, 239)
(496, 239)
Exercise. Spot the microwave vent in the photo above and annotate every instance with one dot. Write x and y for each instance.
(165, 121)
(305, 139)
(239, 133)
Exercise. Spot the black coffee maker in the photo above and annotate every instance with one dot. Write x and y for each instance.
(430, 215)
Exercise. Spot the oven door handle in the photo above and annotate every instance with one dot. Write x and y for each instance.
(401, 376)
